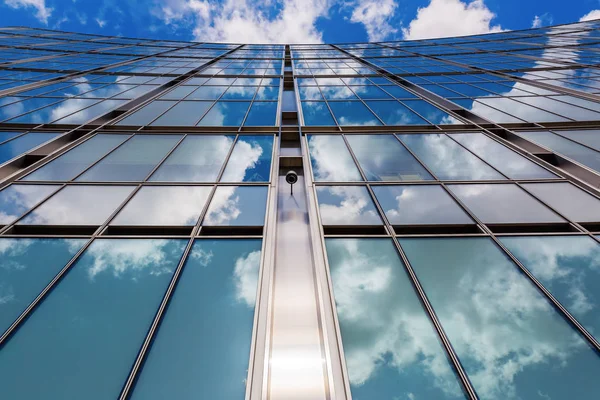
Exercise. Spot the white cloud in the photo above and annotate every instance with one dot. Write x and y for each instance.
(542, 20)
(42, 12)
(594, 14)
(442, 18)
(245, 275)
(375, 16)
(247, 22)
(100, 22)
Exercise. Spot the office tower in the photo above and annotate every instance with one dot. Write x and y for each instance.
(441, 240)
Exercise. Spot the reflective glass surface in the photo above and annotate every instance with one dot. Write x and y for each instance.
(348, 113)
(262, 113)
(147, 114)
(185, 113)
(23, 144)
(503, 204)
(419, 205)
(390, 346)
(133, 161)
(16, 200)
(395, 113)
(330, 159)
(347, 205)
(75, 161)
(568, 200)
(511, 341)
(79, 205)
(250, 160)
(196, 159)
(504, 160)
(164, 205)
(23, 274)
(569, 267)
(447, 159)
(316, 114)
(383, 158)
(82, 339)
(225, 114)
(237, 206)
(203, 345)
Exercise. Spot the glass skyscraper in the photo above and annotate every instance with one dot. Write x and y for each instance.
(442, 240)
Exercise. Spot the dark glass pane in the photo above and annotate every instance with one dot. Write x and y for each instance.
(390, 345)
(237, 206)
(419, 205)
(203, 345)
(250, 160)
(24, 274)
(347, 205)
(330, 159)
(511, 341)
(82, 340)
(133, 161)
(196, 159)
(72, 163)
(447, 159)
(568, 267)
(502, 204)
(79, 205)
(164, 205)
(16, 200)
(383, 158)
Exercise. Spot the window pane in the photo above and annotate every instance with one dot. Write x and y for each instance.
(250, 160)
(352, 113)
(147, 114)
(225, 114)
(237, 206)
(589, 138)
(316, 113)
(500, 157)
(447, 159)
(347, 205)
(395, 113)
(390, 345)
(133, 161)
(383, 158)
(262, 114)
(79, 205)
(503, 204)
(431, 113)
(419, 205)
(186, 113)
(568, 267)
(23, 144)
(568, 200)
(164, 205)
(511, 341)
(82, 340)
(16, 200)
(330, 159)
(24, 274)
(72, 163)
(196, 159)
(203, 345)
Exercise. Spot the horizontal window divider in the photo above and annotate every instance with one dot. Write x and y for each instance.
(436, 229)
(53, 230)
(228, 231)
(528, 228)
(368, 230)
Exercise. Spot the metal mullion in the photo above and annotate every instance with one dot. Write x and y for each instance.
(558, 306)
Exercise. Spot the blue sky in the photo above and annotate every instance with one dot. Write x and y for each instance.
(292, 20)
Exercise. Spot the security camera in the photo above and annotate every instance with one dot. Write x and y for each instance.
(291, 177)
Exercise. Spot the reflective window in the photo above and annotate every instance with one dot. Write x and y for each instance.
(225, 113)
(395, 113)
(316, 113)
(352, 113)
(568, 200)
(262, 113)
(500, 157)
(72, 163)
(133, 161)
(419, 205)
(185, 113)
(568, 266)
(164, 205)
(589, 138)
(510, 340)
(347, 205)
(330, 159)
(79, 205)
(503, 204)
(447, 159)
(16, 200)
(390, 345)
(23, 144)
(24, 274)
(203, 344)
(197, 159)
(237, 206)
(82, 339)
(148, 113)
(383, 158)
(250, 160)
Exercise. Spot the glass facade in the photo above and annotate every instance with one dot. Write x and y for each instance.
(396, 220)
